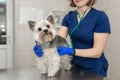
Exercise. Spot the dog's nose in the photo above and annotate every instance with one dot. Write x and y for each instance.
(45, 30)
(39, 29)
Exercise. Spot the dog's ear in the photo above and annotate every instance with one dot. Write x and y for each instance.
(31, 24)
(51, 19)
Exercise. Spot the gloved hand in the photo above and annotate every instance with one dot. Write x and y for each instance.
(65, 50)
(38, 50)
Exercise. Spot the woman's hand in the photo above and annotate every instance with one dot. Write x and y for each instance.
(38, 50)
(65, 50)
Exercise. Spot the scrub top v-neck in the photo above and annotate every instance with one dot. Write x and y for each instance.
(83, 37)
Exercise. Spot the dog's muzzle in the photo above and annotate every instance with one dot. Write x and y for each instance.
(46, 36)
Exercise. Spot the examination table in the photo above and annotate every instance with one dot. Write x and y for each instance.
(32, 73)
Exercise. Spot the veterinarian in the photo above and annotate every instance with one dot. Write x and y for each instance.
(89, 30)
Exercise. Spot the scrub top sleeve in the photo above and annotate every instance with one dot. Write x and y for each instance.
(102, 25)
(65, 21)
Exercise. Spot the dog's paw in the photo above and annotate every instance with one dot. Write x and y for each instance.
(44, 73)
(68, 68)
(51, 75)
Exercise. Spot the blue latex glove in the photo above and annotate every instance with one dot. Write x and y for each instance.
(65, 50)
(38, 50)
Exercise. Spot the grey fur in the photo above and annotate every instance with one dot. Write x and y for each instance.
(56, 42)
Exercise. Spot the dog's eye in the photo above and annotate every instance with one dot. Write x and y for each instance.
(39, 29)
(48, 26)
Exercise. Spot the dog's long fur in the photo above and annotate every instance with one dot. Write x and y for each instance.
(50, 62)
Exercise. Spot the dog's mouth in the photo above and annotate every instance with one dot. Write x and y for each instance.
(46, 37)
(46, 34)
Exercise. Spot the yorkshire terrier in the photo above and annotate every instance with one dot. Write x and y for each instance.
(45, 35)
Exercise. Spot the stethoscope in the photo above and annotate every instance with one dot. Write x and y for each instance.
(81, 18)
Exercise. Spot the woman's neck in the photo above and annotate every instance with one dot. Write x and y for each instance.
(81, 10)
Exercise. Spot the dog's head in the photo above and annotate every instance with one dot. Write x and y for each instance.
(43, 31)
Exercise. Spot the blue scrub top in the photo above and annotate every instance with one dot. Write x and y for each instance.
(82, 38)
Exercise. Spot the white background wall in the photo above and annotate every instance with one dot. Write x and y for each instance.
(23, 41)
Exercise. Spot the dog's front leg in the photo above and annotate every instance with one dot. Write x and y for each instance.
(53, 63)
(53, 67)
(41, 64)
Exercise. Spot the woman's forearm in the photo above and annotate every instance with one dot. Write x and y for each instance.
(100, 40)
(90, 53)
